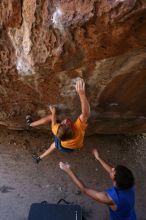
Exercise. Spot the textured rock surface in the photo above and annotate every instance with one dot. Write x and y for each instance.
(45, 45)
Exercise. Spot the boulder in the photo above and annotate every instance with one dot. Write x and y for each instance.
(46, 45)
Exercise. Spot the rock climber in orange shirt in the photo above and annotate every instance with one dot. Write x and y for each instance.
(68, 135)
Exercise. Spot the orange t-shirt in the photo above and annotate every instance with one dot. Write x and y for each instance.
(77, 140)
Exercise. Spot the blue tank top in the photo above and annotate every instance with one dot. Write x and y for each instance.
(125, 200)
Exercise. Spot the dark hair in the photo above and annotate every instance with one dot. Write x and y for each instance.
(64, 133)
(123, 177)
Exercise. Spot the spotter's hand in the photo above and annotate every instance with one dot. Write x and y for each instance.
(64, 166)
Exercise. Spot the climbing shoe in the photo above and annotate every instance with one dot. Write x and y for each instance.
(36, 158)
(28, 120)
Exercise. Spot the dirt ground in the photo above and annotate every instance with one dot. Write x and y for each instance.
(22, 182)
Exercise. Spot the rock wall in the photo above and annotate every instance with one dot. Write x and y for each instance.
(46, 44)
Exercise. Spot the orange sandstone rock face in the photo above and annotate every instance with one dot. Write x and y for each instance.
(45, 45)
